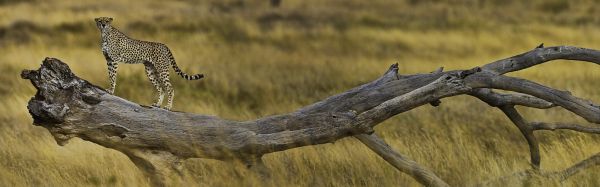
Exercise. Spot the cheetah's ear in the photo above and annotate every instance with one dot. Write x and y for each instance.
(96, 19)
(110, 19)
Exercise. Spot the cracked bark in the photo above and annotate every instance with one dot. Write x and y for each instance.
(157, 140)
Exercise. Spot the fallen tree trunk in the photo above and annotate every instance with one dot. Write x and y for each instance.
(156, 140)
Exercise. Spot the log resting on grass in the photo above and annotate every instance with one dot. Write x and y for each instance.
(157, 140)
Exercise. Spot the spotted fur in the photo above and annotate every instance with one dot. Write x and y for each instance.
(156, 57)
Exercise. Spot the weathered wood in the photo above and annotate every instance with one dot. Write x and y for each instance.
(506, 103)
(541, 55)
(527, 131)
(564, 126)
(558, 176)
(400, 162)
(497, 99)
(593, 160)
(156, 140)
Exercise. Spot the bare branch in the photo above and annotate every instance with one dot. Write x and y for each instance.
(401, 162)
(527, 132)
(541, 55)
(560, 175)
(589, 162)
(333, 103)
(565, 126)
(157, 166)
(445, 86)
(585, 109)
(497, 99)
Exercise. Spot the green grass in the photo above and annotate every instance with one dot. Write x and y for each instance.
(262, 61)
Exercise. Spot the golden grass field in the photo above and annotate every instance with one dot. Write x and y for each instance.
(261, 61)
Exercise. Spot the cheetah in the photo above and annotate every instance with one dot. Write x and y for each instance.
(156, 57)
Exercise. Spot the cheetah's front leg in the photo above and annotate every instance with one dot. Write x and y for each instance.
(112, 76)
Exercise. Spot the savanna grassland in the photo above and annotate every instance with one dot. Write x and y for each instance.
(259, 61)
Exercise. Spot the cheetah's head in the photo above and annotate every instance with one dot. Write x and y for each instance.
(103, 22)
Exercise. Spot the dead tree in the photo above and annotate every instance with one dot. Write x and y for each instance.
(157, 140)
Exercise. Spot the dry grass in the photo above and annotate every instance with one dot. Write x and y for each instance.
(262, 61)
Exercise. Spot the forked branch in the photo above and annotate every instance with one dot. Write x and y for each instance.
(157, 140)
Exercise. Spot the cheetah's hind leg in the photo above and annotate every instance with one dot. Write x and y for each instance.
(153, 76)
(166, 83)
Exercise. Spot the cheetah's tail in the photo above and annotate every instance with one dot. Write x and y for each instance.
(181, 73)
(185, 75)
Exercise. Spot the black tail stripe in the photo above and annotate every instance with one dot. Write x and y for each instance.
(181, 73)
